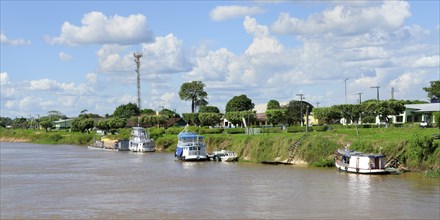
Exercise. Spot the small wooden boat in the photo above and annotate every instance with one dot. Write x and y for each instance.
(358, 162)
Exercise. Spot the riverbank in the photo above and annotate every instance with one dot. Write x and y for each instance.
(416, 148)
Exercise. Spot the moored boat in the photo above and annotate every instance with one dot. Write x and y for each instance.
(190, 147)
(358, 162)
(223, 155)
(109, 145)
(140, 141)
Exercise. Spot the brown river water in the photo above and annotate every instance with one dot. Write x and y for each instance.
(73, 182)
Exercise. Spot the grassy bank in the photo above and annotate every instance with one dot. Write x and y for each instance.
(416, 148)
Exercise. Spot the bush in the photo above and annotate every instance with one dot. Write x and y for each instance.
(234, 131)
(295, 129)
(167, 143)
(156, 132)
(319, 128)
(211, 130)
(436, 119)
(272, 130)
(173, 130)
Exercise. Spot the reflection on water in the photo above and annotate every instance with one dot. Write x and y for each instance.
(46, 181)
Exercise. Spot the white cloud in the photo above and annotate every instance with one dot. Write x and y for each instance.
(92, 78)
(4, 78)
(165, 56)
(221, 13)
(97, 28)
(431, 61)
(64, 56)
(346, 20)
(13, 42)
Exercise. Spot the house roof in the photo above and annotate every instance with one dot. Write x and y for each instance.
(430, 107)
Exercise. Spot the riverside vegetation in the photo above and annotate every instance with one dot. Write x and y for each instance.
(417, 149)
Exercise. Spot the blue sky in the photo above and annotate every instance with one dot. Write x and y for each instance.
(74, 55)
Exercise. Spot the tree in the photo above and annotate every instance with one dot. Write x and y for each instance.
(82, 125)
(126, 111)
(273, 104)
(46, 124)
(5, 121)
(434, 90)
(154, 120)
(239, 103)
(169, 113)
(194, 92)
(209, 119)
(209, 109)
(328, 114)
(350, 112)
(276, 116)
(148, 111)
(383, 109)
(238, 116)
(191, 118)
(296, 110)
(20, 123)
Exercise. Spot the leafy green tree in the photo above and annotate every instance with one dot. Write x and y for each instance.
(148, 111)
(209, 119)
(194, 92)
(169, 113)
(154, 120)
(82, 124)
(209, 109)
(327, 114)
(239, 103)
(103, 125)
(237, 117)
(273, 104)
(434, 90)
(296, 110)
(5, 121)
(20, 123)
(276, 116)
(191, 118)
(350, 112)
(126, 111)
(383, 109)
(46, 124)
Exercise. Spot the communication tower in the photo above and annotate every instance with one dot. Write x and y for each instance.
(137, 57)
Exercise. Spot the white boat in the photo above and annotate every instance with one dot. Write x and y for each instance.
(190, 147)
(358, 162)
(224, 155)
(140, 141)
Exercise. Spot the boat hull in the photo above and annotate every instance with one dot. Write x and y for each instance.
(345, 168)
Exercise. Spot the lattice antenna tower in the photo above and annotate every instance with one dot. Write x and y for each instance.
(137, 57)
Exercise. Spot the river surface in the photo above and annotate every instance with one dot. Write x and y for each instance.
(66, 181)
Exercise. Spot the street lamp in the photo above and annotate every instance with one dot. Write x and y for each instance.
(345, 82)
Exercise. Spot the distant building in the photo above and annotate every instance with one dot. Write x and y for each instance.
(63, 124)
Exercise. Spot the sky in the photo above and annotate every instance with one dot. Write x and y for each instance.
(70, 56)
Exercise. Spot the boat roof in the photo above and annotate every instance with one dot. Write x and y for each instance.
(350, 153)
(188, 134)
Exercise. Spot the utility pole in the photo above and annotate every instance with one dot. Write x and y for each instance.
(392, 92)
(377, 88)
(345, 82)
(360, 97)
(317, 104)
(137, 57)
(301, 96)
